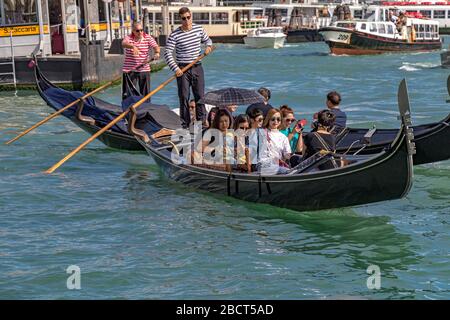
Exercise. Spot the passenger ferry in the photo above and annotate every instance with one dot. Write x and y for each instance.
(303, 18)
(265, 37)
(377, 34)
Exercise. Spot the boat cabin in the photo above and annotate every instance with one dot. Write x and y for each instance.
(377, 22)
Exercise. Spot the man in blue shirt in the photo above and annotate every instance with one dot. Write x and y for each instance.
(333, 101)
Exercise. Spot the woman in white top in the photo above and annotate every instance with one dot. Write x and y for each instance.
(276, 148)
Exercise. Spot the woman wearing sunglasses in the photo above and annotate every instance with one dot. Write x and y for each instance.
(256, 117)
(291, 129)
(275, 148)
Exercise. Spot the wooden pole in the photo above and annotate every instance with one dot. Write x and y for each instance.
(120, 117)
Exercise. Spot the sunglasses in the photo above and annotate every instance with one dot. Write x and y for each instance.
(243, 128)
(186, 18)
(139, 30)
(290, 120)
(259, 119)
(275, 119)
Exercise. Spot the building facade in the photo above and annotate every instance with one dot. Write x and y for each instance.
(51, 27)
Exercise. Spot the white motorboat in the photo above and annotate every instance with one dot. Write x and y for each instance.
(265, 37)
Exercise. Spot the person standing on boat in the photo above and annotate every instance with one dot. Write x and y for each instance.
(186, 42)
(135, 65)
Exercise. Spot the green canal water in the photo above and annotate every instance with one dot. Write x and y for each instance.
(134, 234)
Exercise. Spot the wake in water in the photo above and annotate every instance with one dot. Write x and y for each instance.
(308, 54)
(407, 66)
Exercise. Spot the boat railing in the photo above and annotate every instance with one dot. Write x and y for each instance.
(246, 25)
(12, 63)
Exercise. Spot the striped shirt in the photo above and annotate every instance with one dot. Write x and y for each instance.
(131, 61)
(187, 45)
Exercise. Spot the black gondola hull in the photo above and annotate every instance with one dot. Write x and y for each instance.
(382, 177)
(431, 141)
(111, 138)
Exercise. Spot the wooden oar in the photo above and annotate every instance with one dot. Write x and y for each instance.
(120, 117)
(57, 113)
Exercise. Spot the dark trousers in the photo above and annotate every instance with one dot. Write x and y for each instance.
(194, 78)
(140, 81)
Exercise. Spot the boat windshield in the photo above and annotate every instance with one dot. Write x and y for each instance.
(369, 15)
(273, 30)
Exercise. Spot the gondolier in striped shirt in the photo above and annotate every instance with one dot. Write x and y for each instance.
(186, 41)
(136, 65)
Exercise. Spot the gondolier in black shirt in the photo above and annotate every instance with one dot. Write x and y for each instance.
(186, 41)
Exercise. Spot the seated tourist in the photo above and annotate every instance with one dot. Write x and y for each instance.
(263, 106)
(293, 131)
(256, 117)
(242, 122)
(211, 114)
(241, 125)
(223, 121)
(333, 104)
(192, 108)
(321, 140)
(276, 149)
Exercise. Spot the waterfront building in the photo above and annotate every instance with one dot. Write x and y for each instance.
(51, 27)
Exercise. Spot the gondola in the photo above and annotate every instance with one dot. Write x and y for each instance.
(365, 179)
(90, 116)
(431, 141)
(429, 138)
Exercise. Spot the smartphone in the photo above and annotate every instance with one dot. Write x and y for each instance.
(301, 123)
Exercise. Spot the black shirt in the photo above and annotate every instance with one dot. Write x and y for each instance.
(313, 143)
(260, 105)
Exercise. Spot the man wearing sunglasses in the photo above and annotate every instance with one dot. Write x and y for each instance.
(136, 66)
(186, 42)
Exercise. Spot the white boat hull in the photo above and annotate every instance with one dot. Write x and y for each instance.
(336, 36)
(265, 42)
